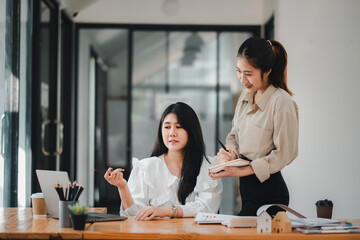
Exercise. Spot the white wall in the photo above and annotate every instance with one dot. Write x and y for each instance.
(322, 39)
(268, 9)
(245, 12)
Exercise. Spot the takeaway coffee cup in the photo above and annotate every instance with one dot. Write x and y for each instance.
(324, 208)
(38, 204)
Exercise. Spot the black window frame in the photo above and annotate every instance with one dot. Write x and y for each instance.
(10, 127)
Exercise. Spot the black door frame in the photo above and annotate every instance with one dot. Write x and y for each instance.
(10, 118)
(63, 66)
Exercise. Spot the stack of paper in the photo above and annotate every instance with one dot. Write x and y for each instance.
(323, 225)
(227, 220)
(210, 218)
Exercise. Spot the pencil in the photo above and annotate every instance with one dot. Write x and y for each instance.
(76, 189)
(59, 190)
(66, 193)
(76, 198)
(223, 146)
(241, 156)
(104, 170)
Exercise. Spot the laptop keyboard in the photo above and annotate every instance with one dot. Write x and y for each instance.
(101, 217)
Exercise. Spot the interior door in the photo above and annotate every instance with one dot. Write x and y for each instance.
(44, 108)
(100, 133)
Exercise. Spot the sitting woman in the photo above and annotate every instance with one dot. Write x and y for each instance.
(174, 181)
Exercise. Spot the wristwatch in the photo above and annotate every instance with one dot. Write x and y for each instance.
(174, 208)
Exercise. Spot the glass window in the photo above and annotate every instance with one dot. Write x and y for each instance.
(149, 79)
(102, 116)
(192, 59)
(9, 108)
(2, 88)
(9, 102)
(192, 75)
(15, 72)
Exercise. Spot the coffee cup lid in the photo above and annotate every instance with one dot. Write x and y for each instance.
(37, 195)
(324, 203)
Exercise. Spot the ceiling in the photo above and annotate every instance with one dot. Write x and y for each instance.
(220, 12)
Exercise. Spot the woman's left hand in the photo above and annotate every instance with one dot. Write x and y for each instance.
(232, 172)
(148, 213)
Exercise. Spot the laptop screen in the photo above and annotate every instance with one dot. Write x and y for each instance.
(48, 179)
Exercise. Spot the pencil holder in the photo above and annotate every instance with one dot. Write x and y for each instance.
(64, 211)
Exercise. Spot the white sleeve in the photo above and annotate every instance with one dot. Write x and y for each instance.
(138, 188)
(208, 195)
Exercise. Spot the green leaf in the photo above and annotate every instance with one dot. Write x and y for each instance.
(78, 209)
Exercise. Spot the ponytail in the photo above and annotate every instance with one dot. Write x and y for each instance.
(267, 55)
(278, 75)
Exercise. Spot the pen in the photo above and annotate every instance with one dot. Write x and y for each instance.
(241, 156)
(104, 170)
(223, 146)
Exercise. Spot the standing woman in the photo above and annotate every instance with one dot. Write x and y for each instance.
(265, 126)
(174, 181)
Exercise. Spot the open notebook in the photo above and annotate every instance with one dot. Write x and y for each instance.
(234, 163)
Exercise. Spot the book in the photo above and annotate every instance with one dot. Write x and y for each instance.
(233, 163)
(211, 218)
(227, 220)
(334, 230)
(241, 221)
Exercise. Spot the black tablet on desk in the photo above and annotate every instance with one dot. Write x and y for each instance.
(103, 217)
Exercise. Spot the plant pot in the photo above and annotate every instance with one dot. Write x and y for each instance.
(78, 221)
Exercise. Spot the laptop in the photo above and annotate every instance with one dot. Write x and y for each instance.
(48, 179)
(103, 217)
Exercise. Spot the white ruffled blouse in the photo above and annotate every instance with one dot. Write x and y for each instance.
(152, 184)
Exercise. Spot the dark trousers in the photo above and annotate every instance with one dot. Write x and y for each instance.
(254, 194)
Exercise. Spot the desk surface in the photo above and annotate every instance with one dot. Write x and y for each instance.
(18, 223)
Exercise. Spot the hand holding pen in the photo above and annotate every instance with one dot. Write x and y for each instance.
(115, 177)
(231, 153)
(225, 154)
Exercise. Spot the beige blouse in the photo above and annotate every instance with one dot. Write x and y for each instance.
(265, 132)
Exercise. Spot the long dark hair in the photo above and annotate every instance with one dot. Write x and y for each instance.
(194, 150)
(266, 55)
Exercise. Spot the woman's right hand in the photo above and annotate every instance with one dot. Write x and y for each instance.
(224, 156)
(115, 177)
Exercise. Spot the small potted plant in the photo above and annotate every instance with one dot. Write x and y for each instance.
(78, 216)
